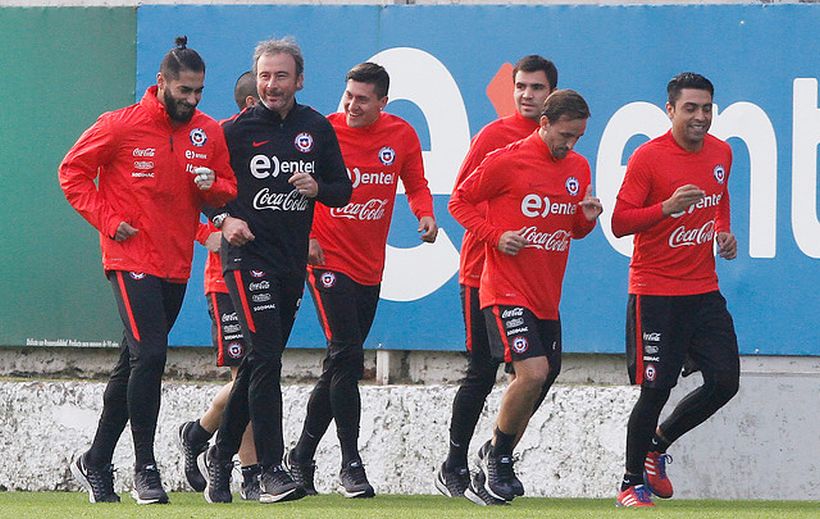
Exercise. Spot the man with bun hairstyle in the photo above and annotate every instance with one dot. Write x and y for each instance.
(146, 206)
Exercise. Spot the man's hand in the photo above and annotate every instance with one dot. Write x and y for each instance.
(727, 245)
(681, 199)
(125, 231)
(316, 256)
(590, 205)
(428, 229)
(236, 231)
(204, 178)
(213, 242)
(305, 184)
(511, 242)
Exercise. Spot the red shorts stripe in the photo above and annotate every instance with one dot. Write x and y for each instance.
(639, 369)
(501, 333)
(468, 317)
(246, 309)
(127, 303)
(220, 347)
(318, 299)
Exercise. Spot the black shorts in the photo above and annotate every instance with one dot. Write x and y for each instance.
(345, 308)
(477, 342)
(515, 334)
(672, 330)
(226, 331)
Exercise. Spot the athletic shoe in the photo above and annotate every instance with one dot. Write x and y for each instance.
(635, 497)
(217, 477)
(190, 452)
(276, 485)
(499, 478)
(302, 473)
(452, 483)
(354, 481)
(478, 494)
(654, 474)
(148, 487)
(249, 490)
(98, 482)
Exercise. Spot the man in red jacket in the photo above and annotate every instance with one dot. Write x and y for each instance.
(539, 197)
(146, 208)
(534, 78)
(675, 200)
(347, 253)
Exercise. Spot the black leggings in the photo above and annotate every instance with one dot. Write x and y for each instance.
(148, 307)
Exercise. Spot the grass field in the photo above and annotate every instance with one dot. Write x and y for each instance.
(46, 505)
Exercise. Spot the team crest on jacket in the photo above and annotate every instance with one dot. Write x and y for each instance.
(258, 273)
(520, 345)
(235, 350)
(328, 279)
(198, 137)
(303, 142)
(720, 173)
(387, 155)
(650, 372)
(572, 186)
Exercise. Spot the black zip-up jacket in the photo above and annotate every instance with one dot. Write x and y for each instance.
(265, 151)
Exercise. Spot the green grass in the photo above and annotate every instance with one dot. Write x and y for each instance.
(74, 505)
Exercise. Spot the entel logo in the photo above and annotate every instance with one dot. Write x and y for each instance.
(260, 166)
(703, 203)
(358, 177)
(534, 206)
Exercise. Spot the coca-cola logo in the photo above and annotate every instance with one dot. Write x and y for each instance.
(557, 241)
(292, 201)
(144, 152)
(229, 318)
(518, 311)
(684, 237)
(262, 285)
(373, 209)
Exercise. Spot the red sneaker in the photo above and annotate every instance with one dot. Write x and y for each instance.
(635, 497)
(654, 474)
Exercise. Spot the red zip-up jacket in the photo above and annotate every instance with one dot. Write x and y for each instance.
(144, 167)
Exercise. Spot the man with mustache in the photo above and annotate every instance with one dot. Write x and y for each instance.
(146, 208)
(286, 157)
(539, 197)
(675, 200)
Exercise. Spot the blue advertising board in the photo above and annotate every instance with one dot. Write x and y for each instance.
(449, 66)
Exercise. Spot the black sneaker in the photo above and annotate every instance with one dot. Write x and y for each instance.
(354, 481)
(249, 490)
(98, 482)
(452, 484)
(148, 487)
(190, 452)
(276, 485)
(302, 473)
(478, 494)
(498, 473)
(217, 477)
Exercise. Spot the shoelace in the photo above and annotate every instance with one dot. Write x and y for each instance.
(355, 471)
(663, 459)
(642, 494)
(102, 481)
(220, 472)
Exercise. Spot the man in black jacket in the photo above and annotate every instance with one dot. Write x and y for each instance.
(285, 156)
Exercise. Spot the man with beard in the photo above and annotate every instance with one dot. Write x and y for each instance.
(146, 209)
(539, 197)
(286, 157)
(534, 78)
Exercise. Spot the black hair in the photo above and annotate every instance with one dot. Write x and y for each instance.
(245, 86)
(567, 103)
(181, 58)
(687, 80)
(373, 74)
(534, 63)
